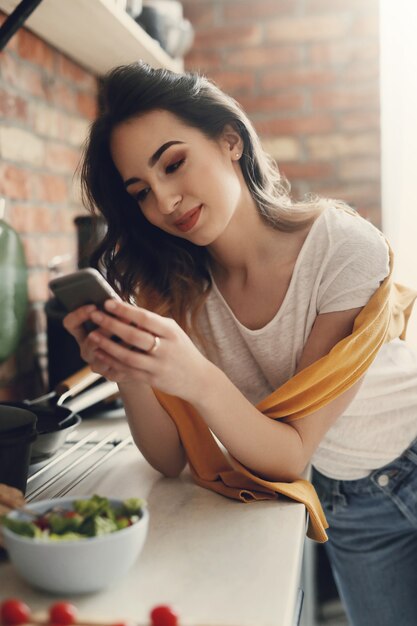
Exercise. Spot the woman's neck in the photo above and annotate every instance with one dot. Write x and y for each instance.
(247, 244)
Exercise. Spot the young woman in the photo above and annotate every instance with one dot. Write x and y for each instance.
(230, 290)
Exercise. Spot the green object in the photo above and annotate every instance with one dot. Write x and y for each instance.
(13, 290)
(133, 506)
(27, 529)
(89, 518)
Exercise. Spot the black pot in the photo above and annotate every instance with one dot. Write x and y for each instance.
(53, 425)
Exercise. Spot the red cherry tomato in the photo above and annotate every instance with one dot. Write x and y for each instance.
(42, 522)
(63, 613)
(163, 615)
(14, 611)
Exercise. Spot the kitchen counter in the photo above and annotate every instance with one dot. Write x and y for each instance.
(215, 560)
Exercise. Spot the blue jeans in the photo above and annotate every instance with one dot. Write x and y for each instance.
(372, 544)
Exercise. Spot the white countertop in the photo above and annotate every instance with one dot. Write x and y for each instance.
(216, 561)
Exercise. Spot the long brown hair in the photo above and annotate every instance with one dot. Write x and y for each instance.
(146, 265)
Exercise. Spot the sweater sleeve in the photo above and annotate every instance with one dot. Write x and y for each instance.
(357, 264)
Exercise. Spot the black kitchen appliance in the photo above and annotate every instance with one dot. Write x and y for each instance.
(64, 357)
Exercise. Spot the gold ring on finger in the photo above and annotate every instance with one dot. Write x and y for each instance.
(154, 347)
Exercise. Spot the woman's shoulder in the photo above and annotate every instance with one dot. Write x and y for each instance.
(348, 237)
(346, 226)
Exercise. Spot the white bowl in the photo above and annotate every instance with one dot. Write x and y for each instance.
(80, 566)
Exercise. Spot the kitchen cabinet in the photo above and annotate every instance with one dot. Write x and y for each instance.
(215, 560)
(96, 34)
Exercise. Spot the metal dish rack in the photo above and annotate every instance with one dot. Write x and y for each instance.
(78, 459)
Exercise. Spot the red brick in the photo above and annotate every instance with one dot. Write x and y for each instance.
(346, 98)
(65, 219)
(360, 168)
(234, 82)
(229, 37)
(361, 72)
(19, 75)
(248, 10)
(12, 106)
(33, 218)
(306, 125)
(15, 183)
(200, 15)
(307, 170)
(274, 79)
(308, 28)
(354, 193)
(280, 102)
(372, 214)
(86, 105)
(50, 188)
(335, 6)
(50, 122)
(204, 60)
(40, 249)
(368, 120)
(33, 247)
(38, 285)
(72, 72)
(263, 56)
(33, 49)
(61, 158)
(62, 96)
(347, 51)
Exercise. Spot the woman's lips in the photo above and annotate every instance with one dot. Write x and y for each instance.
(189, 220)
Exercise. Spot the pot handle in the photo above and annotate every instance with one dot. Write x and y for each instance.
(76, 383)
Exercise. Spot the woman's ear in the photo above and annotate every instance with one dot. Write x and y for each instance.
(232, 142)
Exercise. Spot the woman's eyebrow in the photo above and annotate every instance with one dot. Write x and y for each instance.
(152, 161)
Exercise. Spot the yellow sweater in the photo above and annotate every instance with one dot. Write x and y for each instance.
(384, 318)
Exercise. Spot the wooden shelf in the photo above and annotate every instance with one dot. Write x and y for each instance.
(96, 34)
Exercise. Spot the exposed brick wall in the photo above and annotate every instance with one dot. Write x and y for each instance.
(46, 103)
(307, 73)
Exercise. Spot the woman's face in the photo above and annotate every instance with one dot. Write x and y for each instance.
(184, 183)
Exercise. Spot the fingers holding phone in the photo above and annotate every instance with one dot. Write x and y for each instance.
(81, 293)
(76, 323)
(154, 350)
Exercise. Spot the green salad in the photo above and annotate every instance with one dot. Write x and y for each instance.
(88, 518)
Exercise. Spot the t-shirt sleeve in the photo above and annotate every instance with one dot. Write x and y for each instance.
(354, 271)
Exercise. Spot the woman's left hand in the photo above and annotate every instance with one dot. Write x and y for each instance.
(153, 349)
(10, 498)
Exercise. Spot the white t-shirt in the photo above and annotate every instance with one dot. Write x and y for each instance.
(341, 264)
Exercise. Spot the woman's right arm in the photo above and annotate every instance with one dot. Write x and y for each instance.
(153, 431)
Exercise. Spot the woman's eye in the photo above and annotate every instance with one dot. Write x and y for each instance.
(174, 166)
(141, 195)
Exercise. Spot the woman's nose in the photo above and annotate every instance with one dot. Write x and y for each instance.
(168, 202)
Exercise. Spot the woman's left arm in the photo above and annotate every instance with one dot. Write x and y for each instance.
(276, 450)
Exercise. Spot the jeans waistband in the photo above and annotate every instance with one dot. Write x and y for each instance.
(402, 464)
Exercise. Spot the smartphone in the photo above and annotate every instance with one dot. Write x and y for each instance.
(86, 286)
